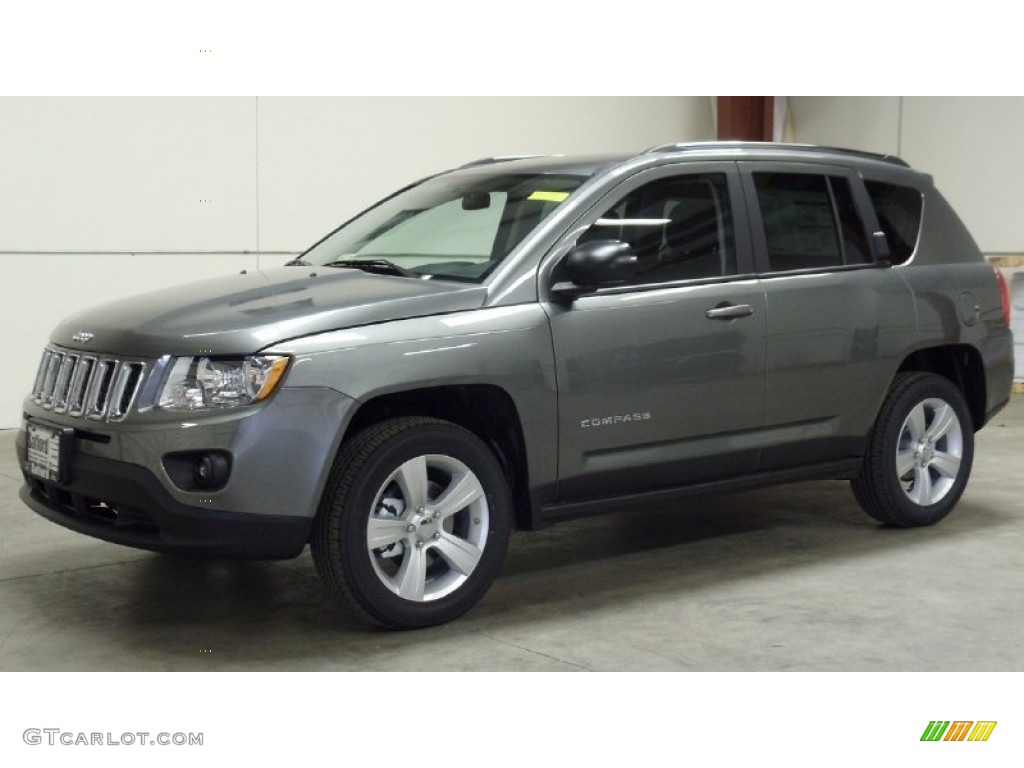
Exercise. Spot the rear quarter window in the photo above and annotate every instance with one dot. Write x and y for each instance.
(899, 215)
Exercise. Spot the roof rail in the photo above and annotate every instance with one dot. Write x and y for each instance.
(697, 145)
(500, 159)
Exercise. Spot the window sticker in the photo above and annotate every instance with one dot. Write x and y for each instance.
(548, 197)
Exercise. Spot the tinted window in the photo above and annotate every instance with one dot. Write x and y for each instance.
(899, 215)
(680, 227)
(810, 221)
(855, 239)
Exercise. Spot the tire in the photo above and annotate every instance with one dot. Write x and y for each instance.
(386, 539)
(919, 453)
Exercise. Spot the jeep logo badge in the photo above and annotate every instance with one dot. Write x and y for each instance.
(82, 337)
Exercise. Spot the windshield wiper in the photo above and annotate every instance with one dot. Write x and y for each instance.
(383, 266)
(297, 263)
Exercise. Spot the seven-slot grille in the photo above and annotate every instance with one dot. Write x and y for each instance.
(81, 384)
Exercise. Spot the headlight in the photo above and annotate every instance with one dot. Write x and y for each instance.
(203, 382)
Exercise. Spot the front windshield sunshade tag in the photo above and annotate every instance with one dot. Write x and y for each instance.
(548, 197)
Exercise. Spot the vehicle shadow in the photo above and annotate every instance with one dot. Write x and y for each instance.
(705, 542)
(176, 613)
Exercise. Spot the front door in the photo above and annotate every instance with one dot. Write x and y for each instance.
(661, 381)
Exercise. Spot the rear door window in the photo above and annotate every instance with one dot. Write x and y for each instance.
(810, 221)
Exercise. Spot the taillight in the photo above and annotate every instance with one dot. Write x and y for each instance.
(1004, 295)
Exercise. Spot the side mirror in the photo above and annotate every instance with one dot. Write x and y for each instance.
(594, 265)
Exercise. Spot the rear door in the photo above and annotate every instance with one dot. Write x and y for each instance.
(838, 320)
(661, 382)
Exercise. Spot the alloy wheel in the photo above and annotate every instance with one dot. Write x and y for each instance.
(929, 451)
(428, 527)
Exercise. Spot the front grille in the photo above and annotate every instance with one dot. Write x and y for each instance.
(78, 384)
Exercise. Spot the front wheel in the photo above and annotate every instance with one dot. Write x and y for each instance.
(414, 522)
(919, 453)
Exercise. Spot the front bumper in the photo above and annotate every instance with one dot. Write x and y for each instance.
(125, 504)
(117, 487)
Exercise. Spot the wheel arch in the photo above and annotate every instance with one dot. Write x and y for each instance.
(486, 410)
(962, 365)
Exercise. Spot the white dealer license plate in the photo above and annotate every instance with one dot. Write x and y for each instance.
(44, 452)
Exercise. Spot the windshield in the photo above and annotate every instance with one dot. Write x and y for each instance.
(455, 226)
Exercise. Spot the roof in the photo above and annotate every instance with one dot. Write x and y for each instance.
(757, 148)
(589, 165)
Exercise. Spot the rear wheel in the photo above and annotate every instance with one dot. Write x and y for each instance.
(919, 453)
(414, 523)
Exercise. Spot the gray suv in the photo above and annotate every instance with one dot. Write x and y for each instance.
(524, 340)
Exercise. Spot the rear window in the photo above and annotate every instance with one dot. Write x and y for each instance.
(899, 215)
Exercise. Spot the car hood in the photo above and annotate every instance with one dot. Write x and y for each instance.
(243, 313)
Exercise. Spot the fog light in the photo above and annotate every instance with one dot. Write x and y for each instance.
(211, 471)
(203, 471)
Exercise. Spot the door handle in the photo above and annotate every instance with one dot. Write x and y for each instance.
(729, 311)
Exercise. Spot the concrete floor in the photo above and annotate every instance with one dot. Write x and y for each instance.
(792, 578)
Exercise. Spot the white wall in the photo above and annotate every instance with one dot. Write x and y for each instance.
(117, 174)
(107, 197)
(869, 123)
(322, 159)
(971, 145)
